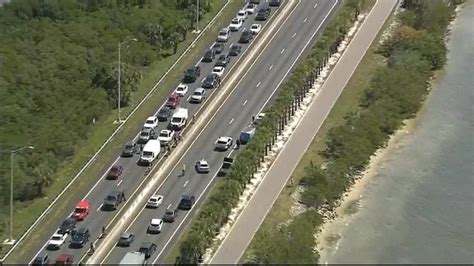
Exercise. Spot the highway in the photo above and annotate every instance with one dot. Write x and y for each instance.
(251, 95)
(133, 174)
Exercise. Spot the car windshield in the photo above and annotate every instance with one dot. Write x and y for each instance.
(153, 199)
(149, 122)
(169, 213)
(222, 33)
(111, 197)
(56, 238)
(144, 134)
(197, 93)
(254, 27)
(128, 146)
(147, 154)
(163, 111)
(235, 21)
(164, 134)
(222, 142)
(124, 237)
(176, 120)
(171, 99)
(209, 79)
(79, 210)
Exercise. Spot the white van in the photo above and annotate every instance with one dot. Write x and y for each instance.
(150, 151)
(179, 118)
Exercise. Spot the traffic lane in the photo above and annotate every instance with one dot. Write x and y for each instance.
(192, 185)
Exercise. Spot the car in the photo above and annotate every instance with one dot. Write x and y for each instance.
(151, 122)
(211, 81)
(126, 239)
(41, 259)
(181, 90)
(250, 8)
(145, 135)
(262, 14)
(275, 3)
(154, 201)
(258, 118)
(67, 226)
(148, 249)
(80, 237)
(223, 35)
(242, 14)
(186, 202)
(173, 101)
(191, 74)
(235, 50)
(155, 226)
(64, 259)
(209, 55)
(57, 240)
(218, 70)
(166, 136)
(224, 143)
(218, 47)
(235, 24)
(113, 200)
(255, 28)
(246, 36)
(170, 216)
(163, 114)
(128, 149)
(115, 172)
(202, 166)
(223, 60)
(226, 166)
(81, 211)
(198, 96)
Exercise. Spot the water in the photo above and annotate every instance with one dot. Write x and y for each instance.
(419, 208)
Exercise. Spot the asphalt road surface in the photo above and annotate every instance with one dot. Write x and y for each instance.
(254, 213)
(133, 174)
(250, 96)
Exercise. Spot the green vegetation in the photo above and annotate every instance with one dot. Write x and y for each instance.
(214, 212)
(58, 60)
(389, 93)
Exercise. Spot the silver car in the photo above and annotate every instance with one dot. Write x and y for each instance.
(198, 95)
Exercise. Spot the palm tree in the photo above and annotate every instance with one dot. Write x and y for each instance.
(173, 41)
(154, 33)
(183, 28)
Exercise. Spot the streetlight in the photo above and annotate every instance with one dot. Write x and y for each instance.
(119, 70)
(12, 241)
(197, 18)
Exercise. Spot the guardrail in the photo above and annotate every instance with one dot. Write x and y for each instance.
(117, 130)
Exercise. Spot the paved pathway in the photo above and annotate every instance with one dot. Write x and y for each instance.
(276, 178)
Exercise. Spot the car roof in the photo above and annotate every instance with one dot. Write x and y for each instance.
(155, 221)
(146, 245)
(224, 138)
(82, 230)
(156, 196)
(151, 118)
(83, 204)
(115, 193)
(165, 130)
(126, 235)
(199, 90)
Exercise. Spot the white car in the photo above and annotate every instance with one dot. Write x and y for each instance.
(224, 143)
(57, 240)
(218, 70)
(181, 90)
(235, 24)
(251, 8)
(198, 95)
(155, 201)
(155, 226)
(259, 118)
(255, 28)
(223, 35)
(202, 166)
(166, 136)
(151, 122)
(242, 14)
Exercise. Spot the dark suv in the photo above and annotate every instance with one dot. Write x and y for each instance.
(67, 226)
(113, 200)
(218, 47)
(276, 3)
(80, 237)
(211, 81)
(148, 249)
(191, 74)
(209, 55)
(223, 60)
(263, 13)
(164, 114)
(246, 36)
(186, 202)
(170, 216)
(235, 50)
(128, 149)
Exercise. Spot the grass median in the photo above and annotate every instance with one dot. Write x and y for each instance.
(25, 215)
(347, 102)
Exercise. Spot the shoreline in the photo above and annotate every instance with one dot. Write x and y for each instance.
(330, 232)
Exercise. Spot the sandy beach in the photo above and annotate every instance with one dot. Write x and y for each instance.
(330, 232)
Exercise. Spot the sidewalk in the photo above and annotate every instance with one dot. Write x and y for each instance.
(247, 224)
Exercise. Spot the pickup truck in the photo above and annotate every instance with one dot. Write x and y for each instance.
(226, 165)
(166, 136)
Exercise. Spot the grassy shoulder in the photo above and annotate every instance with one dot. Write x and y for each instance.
(26, 214)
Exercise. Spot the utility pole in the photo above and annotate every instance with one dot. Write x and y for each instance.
(197, 18)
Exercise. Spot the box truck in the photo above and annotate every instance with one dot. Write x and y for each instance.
(179, 118)
(150, 152)
(133, 258)
(246, 134)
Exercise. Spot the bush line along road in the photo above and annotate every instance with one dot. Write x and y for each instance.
(248, 222)
(244, 103)
(250, 95)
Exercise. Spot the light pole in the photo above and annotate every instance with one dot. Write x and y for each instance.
(119, 74)
(197, 18)
(12, 241)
